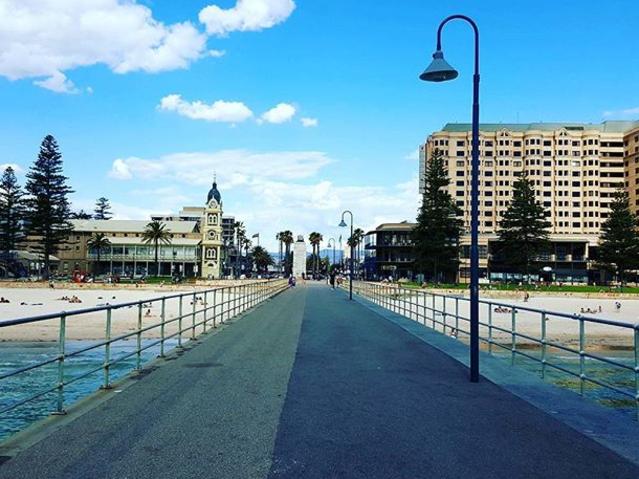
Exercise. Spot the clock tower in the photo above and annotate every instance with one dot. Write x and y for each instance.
(212, 235)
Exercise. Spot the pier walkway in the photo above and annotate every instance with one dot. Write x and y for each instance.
(311, 385)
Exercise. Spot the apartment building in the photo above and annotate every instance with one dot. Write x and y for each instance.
(575, 167)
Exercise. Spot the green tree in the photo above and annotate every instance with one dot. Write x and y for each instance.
(355, 241)
(80, 215)
(315, 239)
(99, 242)
(523, 230)
(48, 212)
(11, 212)
(240, 237)
(155, 232)
(287, 239)
(619, 243)
(262, 258)
(436, 235)
(102, 209)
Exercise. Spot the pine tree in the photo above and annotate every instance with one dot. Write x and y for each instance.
(438, 229)
(523, 233)
(102, 209)
(619, 243)
(11, 212)
(48, 210)
(81, 215)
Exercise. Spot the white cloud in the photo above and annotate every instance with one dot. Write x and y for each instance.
(246, 15)
(280, 113)
(216, 53)
(413, 155)
(16, 168)
(120, 170)
(57, 82)
(309, 122)
(219, 111)
(42, 39)
(629, 112)
(234, 167)
(269, 191)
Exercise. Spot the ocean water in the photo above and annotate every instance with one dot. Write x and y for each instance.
(17, 355)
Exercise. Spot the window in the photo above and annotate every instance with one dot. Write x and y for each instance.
(461, 143)
(460, 153)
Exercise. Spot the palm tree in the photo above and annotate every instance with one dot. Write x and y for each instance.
(358, 234)
(278, 237)
(240, 236)
(98, 242)
(262, 258)
(156, 233)
(315, 239)
(287, 239)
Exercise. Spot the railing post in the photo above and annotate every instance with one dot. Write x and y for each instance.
(433, 312)
(544, 346)
(490, 328)
(61, 353)
(637, 369)
(180, 314)
(513, 334)
(206, 307)
(456, 317)
(444, 313)
(138, 339)
(107, 351)
(193, 316)
(162, 325)
(214, 308)
(582, 357)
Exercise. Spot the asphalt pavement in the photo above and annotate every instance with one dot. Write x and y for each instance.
(312, 385)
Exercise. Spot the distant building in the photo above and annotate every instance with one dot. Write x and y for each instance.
(388, 252)
(576, 169)
(197, 246)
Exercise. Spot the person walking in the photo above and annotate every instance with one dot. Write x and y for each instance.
(331, 279)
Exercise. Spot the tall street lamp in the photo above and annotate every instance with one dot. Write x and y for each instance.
(438, 71)
(329, 244)
(342, 224)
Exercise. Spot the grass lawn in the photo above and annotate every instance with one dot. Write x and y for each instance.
(566, 288)
(155, 280)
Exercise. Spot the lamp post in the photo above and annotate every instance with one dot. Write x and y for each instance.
(329, 244)
(438, 71)
(342, 224)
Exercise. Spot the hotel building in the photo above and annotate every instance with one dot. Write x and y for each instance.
(575, 167)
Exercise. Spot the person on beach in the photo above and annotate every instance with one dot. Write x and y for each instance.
(291, 281)
(331, 279)
(3, 300)
(617, 306)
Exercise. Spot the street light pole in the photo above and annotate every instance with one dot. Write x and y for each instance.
(329, 243)
(343, 225)
(439, 70)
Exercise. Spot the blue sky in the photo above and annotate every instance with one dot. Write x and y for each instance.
(350, 66)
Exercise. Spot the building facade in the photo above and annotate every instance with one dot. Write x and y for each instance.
(576, 169)
(388, 252)
(196, 247)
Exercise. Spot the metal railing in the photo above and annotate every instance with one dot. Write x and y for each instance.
(513, 328)
(208, 309)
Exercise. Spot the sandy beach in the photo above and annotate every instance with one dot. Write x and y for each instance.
(30, 301)
(558, 329)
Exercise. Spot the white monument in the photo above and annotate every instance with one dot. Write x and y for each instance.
(299, 257)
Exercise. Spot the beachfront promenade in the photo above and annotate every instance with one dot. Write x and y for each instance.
(311, 385)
